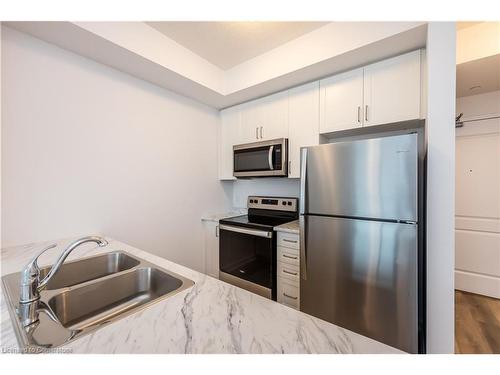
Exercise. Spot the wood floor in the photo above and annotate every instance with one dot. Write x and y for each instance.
(477, 324)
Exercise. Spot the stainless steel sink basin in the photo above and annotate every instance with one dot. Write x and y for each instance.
(89, 293)
(91, 304)
(72, 273)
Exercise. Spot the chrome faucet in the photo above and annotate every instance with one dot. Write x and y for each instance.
(31, 284)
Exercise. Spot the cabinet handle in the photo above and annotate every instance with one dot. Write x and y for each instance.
(290, 273)
(288, 256)
(257, 132)
(366, 112)
(287, 240)
(289, 296)
(261, 132)
(290, 167)
(359, 113)
(216, 231)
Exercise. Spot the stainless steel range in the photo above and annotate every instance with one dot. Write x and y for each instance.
(247, 244)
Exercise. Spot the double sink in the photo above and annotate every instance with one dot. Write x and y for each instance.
(87, 294)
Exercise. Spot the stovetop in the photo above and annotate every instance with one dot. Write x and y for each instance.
(257, 222)
(266, 213)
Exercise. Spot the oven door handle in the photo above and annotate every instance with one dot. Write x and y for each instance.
(252, 232)
(270, 158)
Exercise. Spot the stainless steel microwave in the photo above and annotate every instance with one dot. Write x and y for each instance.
(261, 159)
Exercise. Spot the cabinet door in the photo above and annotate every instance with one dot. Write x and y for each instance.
(341, 101)
(212, 249)
(392, 90)
(264, 119)
(251, 121)
(303, 125)
(274, 116)
(229, 133)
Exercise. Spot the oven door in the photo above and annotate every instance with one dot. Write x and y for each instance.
(261, 159)
(247, 259)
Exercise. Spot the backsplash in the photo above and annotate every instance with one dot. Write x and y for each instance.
(279, 187)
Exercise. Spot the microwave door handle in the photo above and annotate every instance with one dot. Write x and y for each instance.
(270, 158)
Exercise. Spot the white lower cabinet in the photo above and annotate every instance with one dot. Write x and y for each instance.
(288, 293)
(287, 273)
(211, 248)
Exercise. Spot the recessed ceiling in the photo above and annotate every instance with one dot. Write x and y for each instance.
(478, 76)
(227, 44)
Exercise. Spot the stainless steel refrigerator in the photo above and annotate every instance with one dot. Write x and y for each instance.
(362, 235)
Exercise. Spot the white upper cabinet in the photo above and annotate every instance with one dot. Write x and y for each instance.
(251, 121)
(275, 124)
(380, 93)
(303, 123)
(229, 135)
(392, 90)
(265, 118)
(341, 101)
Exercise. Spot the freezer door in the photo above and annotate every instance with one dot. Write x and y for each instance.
(371, 178)
(362, 275)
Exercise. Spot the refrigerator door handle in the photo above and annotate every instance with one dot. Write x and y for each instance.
(303, 176)
(303, 250)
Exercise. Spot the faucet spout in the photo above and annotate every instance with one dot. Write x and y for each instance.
(72, 246)
(31, 285)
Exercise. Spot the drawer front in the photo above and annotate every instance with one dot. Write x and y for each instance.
(288, 271)
(287, 255)
(288, 294)
(290, 240)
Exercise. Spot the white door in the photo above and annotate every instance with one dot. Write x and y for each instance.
(274, 116)
(303, 123)
(392, 90)
(341, 101)
(251, 121)
(477, 198)
(229, 133)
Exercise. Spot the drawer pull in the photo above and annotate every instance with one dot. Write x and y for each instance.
(288, 296)
(290, 273)
(287, 240)
(288, 256)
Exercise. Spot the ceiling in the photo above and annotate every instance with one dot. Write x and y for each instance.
(478, 76)
(227, 44)
(464, 25)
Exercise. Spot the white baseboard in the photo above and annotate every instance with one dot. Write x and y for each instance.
(477, 283)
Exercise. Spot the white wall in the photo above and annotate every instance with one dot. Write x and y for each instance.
(87, 149)
(440, 186)
(477, 220)
(279, 187)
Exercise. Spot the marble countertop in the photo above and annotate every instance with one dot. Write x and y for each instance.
(210, 317)
(224, 215)
(291, 227)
